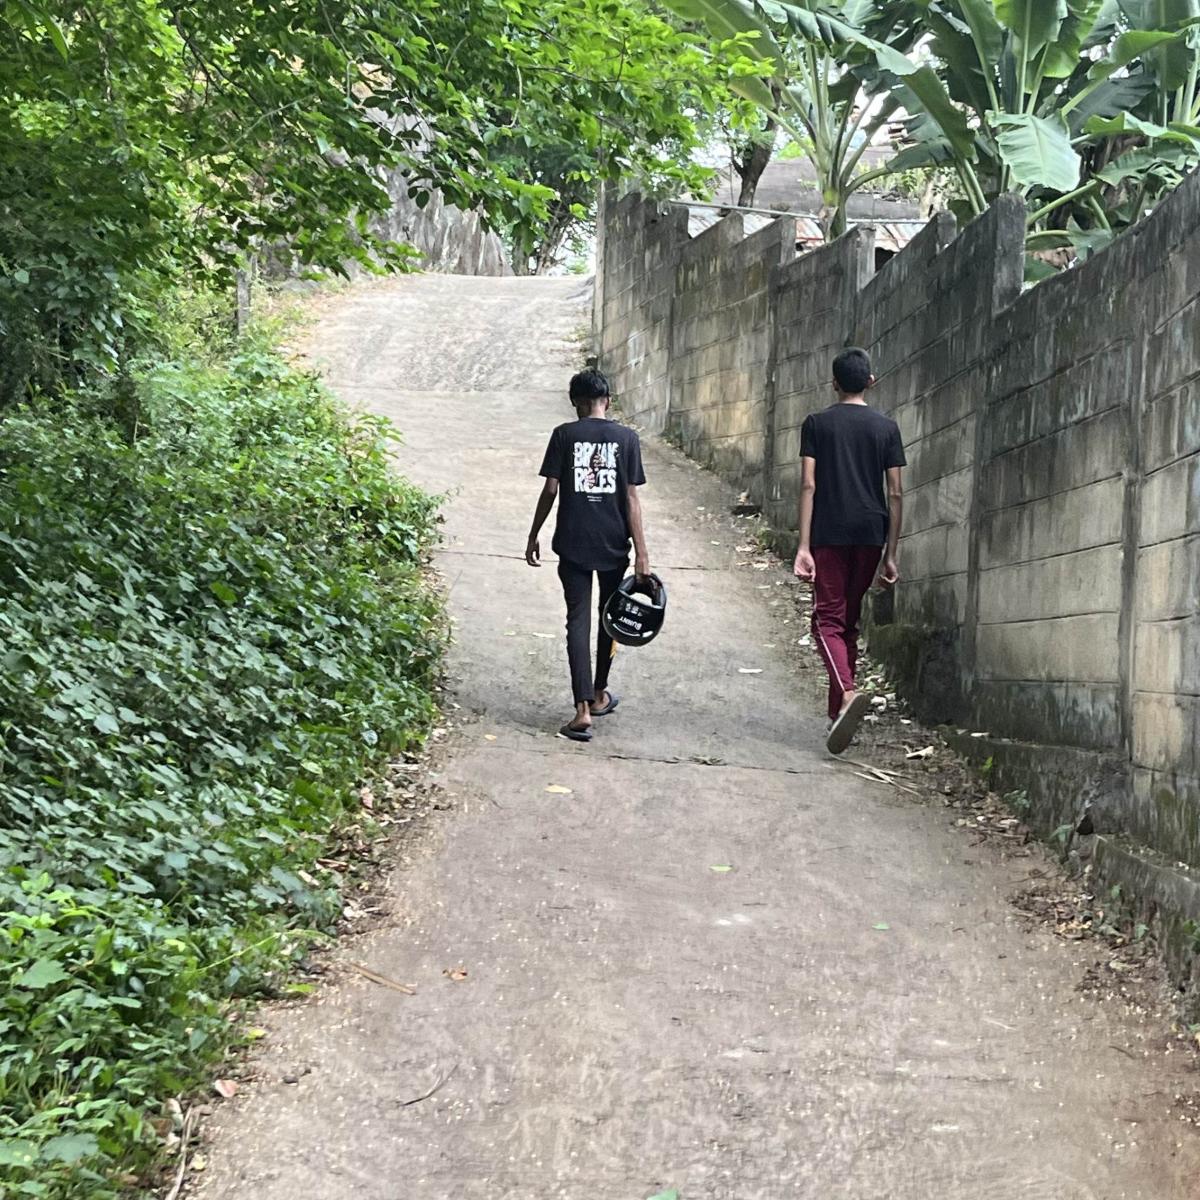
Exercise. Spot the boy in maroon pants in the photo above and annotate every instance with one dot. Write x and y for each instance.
(848, 530)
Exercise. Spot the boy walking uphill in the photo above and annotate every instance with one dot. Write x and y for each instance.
(594, 467)
(848, 530)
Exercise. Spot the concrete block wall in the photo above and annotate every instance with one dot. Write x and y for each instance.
(639, 246)
(811, 296)
(1051, 526)
(1163, 610)
(721, 347)
(926, 318)
(1051, 555)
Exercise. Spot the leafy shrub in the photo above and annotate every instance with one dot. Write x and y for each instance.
(212, 618)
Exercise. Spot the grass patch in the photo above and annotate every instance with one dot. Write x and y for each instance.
(212, 621)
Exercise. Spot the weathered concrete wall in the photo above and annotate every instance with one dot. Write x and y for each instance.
(721, 343)
(638, 252)
(927, 320)
(1051, 525)
(812, 295)
(1051, 552)
(1163, 534)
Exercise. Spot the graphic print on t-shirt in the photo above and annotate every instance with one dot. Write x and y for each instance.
(596, 462)
(595, 466)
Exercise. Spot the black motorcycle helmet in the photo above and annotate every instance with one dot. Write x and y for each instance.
(635, 611)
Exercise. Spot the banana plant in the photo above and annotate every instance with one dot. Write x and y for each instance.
(1060, 100)
(815, 71)
(1055, 88)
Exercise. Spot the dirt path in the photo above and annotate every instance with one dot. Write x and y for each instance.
(631, 1019)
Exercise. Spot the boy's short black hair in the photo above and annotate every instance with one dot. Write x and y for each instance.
(588, 385)
(852, 371)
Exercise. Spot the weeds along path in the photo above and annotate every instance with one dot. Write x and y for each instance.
(853, 1010)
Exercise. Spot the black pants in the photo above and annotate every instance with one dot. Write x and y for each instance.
(577, 590)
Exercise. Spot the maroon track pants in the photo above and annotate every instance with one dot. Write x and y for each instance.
(844, 574)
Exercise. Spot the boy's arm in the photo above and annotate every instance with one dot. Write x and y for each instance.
(545, 502)
(641, 559)
(889, 571)
(805, 567)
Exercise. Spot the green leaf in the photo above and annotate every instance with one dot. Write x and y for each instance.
(223, 592)
(728, 19)
(1134, 44)
(1037, 150)
(1035, 23)
(935, 152)
(930, 95)
(106, 723)
(17, 1153)
(70, 1148)
(965, 71)
(720, 868)
(1170, 60)
(881, 926)
(985, 29)
(1106, 27)
(56, 37)
(1118, 94)
(1162, 157)
(45, 972)
(751, 88)
(670, 1194)
(1062, 56)
(1126, 122)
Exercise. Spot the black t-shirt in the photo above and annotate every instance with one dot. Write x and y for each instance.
(853, 446)
(594, 461)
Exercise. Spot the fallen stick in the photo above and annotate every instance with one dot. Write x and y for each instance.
(437, 1087)
(872, 778)
(868, 767)
(878, 776)
(185, 1135)
(382, 980)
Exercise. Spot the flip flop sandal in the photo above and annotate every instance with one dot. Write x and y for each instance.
(846, 726)
(576, 735)
(613, 701)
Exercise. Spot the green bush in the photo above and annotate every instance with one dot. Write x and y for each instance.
(212, 620)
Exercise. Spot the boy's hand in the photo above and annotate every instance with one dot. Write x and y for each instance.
(805, 567)
(533, 552)
(641, 566)
(889, 573)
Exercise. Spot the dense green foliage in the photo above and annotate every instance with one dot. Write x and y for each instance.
(211, 614)
(147, 142)
(630, 94)
(212, 619)
(1090, 109)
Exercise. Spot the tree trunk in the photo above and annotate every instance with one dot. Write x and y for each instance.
(519, 261)
(557, 228)
(752, 163)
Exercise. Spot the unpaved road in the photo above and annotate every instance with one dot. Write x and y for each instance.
(632, 1020)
